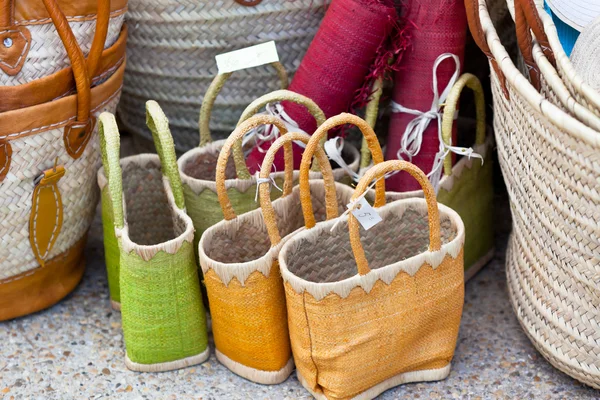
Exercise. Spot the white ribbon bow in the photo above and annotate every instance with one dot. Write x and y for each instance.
(413, 135)
(259, 181)
(333, 148)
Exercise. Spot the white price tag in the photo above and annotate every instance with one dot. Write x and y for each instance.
(366, 215)
(249, 57)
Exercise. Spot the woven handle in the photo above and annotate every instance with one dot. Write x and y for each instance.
(470, 81)
(258, 104)
(110, 148)
(265, 198)
(527, 19)
(377, 172)
(238, 134)
(371, 113)
(211, 96)
(163, 141)
(474, 21)
(321, 132)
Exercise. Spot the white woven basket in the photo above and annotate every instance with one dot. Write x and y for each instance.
(551, 165)
(172, 47)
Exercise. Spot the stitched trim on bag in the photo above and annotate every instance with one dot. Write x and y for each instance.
(25, 48)
(33, 131)
(75, 18)
(6, 159)
(35, 214)
(38, 269)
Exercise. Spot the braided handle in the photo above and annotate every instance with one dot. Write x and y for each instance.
(265, 198)
(470, 81)
(237, 135)
(321, 132)
(256, 105)
(377, 172)
(163, 141)
(211, 96)
(110, 147)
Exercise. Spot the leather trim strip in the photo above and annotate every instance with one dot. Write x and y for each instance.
(56, 114)
(42, 287)
(62, 82)
(29, 12)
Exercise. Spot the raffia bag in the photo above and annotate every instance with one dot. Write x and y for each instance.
(173, 44)
(164, 321)
(551, 166)
(466, 187)
(239, 261)
(539, 63)
(397, 320)
(48, 144)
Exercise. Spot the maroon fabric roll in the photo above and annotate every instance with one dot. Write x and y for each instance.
(438, 27)
(349, 43)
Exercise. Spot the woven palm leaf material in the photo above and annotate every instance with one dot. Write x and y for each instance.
(355, 335)
(550, 163)
(172, 48)
(239, 261)
(438, 27)
(164, 321)
(351, 42)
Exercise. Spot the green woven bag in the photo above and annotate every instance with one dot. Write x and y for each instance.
(164, 321)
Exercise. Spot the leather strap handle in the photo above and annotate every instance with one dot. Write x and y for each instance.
(377, 172)
(102, 22)
(248, 3)
(238, 134)
(474, 21)
(470, 81)
(265, 198)
(273, 97)
(321, 132)
(7, 13)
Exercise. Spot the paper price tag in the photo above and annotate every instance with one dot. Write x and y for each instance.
(366, 215)
(249, 57)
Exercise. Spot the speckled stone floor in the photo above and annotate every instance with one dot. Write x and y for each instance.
(74, 350)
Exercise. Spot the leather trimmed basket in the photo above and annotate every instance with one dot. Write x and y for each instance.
(48, 144)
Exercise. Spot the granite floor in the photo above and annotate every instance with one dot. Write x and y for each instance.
(74, 350)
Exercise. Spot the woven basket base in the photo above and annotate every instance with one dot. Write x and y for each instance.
(428, 375)
(256, 375)
(115, 305)
(168, 366)
(476, 267)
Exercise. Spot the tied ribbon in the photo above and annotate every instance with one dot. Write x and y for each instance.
(333, 148)
(412, 138)
(259, 181)
(268, 133)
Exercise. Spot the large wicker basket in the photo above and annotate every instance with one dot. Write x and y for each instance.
(172, 48)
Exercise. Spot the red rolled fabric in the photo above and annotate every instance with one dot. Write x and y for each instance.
(342, 56)
(438, 27)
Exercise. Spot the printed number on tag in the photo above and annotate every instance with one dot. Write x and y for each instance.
(249, 57)
(366, 215)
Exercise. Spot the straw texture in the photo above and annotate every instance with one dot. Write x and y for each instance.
(172, 47)
(550, 163)
(164, 322)
(355, 335)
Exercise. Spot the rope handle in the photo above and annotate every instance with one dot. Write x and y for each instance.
(321, 132)
(258, 104)
(479, 36)
(110, 148)
(472, 82)
(378, 171)
(236, 136)
(371, 113)
(265, 198)
(163, 141)
(211, 96)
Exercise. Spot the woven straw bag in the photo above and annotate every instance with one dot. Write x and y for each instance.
(164, 321)
(397, 320)
(539, 62)
(48, 158)
(238, 257)
(173, 44)
(551, 166)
